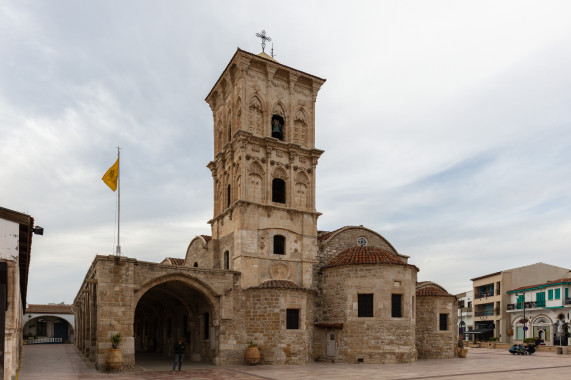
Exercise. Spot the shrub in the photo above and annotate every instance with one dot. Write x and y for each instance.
(529, 340)
(115, 340)
(494, 338)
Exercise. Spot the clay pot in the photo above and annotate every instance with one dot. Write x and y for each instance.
(462, 352)
(252, 355)
(115, 359)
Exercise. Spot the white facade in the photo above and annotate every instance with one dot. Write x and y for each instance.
(9, 238)
(31, 321)
(465, 312)
(544, 309)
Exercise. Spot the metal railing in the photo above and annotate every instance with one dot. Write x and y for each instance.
(485, 294)
(528, 305)
(567, 301)
(44, 340)
(484, 313)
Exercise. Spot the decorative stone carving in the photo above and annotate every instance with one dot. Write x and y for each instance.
(280, 271)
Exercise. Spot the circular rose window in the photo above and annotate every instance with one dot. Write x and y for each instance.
(362, 241)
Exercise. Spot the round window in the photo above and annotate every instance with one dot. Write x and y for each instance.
(362, 241)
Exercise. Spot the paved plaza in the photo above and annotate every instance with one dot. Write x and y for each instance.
(62, 362)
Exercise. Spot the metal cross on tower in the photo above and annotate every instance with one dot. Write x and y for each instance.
(264, 38)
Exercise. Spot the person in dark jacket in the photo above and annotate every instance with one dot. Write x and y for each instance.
(178, 354)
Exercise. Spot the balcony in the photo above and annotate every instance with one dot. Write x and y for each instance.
(567, 301)
(485, 294)
(484, 313)
(467, 309)
(528, 305)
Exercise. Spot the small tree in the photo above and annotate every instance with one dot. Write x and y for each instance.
(115, 340)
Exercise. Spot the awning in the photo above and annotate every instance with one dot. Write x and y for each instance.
(479, 331)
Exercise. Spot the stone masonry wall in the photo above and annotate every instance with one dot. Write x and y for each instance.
(200, 253)
(377, 339)
(431, 342)
(265, 324)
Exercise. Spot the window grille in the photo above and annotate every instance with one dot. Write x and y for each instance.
(292, 319)
(365, 307)
(396, 306)
(443, 322)
(279, 245)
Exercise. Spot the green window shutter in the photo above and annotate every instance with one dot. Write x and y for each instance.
(557, 294)
(540, 299)
(520, 300)
(550, 294)
(566, 292)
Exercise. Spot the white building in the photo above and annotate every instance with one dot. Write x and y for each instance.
(465, 313)
(542, 311)
(15, 250)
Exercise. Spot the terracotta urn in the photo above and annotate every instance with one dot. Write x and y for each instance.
(114, 359)
(252, 355)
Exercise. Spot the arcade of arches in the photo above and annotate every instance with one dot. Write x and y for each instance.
(169, 311)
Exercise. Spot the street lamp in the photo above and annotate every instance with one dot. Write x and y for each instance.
(524, 320)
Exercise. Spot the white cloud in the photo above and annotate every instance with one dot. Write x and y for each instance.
(445, 125)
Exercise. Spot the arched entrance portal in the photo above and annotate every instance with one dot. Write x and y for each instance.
(47, 329)
(166, 312)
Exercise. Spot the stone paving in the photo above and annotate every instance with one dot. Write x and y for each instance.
(62, 362)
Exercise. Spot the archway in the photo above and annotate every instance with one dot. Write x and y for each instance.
(167, 311)
(48, 329)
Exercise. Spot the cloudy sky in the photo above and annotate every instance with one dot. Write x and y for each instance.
(446, 125)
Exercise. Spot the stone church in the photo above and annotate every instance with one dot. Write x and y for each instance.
(266, 275)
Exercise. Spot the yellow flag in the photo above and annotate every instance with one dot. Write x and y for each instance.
(110, 177)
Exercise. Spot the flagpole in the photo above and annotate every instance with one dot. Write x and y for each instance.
(118, 249)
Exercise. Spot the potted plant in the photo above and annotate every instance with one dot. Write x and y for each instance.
(252, 353)
(115, 359)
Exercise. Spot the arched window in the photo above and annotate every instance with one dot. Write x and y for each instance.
(279, 245)
(195, 264)
(278, 190)
(228, 196)
(278, 127)
(227, 260)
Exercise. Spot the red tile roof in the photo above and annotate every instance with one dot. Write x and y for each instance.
(175, 261)
(427, 288)
(49, 309)
(329, 325)
(365, 255)
(278, 284)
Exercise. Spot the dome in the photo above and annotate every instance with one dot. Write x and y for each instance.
(365, 255)
(428, 288)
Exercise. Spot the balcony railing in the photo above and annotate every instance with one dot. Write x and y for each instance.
(44, 340)
(528, 305)
(485, 294)
(467, 309)
(567, 301)
(484, 313)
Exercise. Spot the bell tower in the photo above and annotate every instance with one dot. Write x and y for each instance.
(265, 221)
